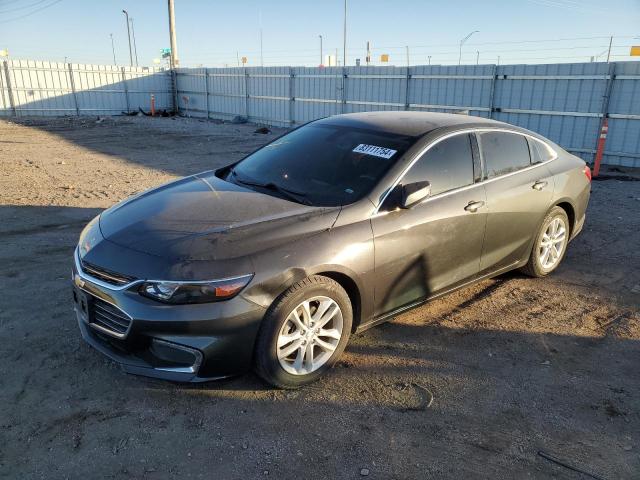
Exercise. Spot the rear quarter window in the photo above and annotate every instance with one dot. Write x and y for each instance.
(540, 152)
(504, 153)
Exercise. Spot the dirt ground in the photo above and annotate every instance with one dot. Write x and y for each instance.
(473, 385)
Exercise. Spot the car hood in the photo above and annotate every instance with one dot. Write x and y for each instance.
(203, 217)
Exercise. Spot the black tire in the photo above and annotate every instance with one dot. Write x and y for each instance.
(534, 267)
(266, 362)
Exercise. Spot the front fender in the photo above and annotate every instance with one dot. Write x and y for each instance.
(346, 250)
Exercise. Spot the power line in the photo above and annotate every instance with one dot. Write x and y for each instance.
(571, 6)
(510, 42)
(14, 9)
(9, 2)
(403, 47)
(31, 13)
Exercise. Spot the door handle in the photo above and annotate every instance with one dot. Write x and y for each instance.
(539, 185)
(473, 206)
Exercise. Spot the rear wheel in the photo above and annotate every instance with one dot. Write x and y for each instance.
(303, 333)
(550, 244)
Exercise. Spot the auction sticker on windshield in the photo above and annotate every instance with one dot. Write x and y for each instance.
(375, 151)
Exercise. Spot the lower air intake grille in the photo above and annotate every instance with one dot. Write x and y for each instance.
(108, 318)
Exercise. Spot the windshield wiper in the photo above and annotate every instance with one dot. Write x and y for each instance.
(294, 195)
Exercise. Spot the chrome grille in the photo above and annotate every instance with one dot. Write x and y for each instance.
(108, 317)
(105, 275)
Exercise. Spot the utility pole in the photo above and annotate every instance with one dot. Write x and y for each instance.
(135, 48)
(368, 53)
(260, 26)
(113, 50)
(126, 14)
(609, 52)
(344, 36)
(238, 57)
(462, 43)
(261, 56)
(321, 58)
(175, 61)
(407, 49)
(429, 59)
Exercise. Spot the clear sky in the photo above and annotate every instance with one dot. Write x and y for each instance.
(211, 32)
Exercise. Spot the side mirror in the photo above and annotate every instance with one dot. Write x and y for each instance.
(414, 193)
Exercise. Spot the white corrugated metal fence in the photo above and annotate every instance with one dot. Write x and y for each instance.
(30, 87)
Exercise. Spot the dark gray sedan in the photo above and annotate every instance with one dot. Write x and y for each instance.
(274, 261)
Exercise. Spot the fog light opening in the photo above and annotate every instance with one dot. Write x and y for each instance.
(174, 357)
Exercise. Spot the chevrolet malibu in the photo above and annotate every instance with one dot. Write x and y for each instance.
(273, 262)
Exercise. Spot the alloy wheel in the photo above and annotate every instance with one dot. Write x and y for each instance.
(552, 243)
(309, 335)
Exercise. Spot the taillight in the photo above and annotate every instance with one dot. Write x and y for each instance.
(587, 172)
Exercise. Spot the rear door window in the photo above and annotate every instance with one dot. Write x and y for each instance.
(446, 166)
(504, 153)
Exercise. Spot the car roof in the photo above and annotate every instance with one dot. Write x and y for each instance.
(409, 123)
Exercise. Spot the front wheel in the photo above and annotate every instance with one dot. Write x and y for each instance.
(550, 244)
(303, 333)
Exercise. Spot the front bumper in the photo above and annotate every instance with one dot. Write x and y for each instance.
(184, 343)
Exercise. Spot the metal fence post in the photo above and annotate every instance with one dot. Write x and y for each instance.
(292, 97)
(125, 89)
(206, 89)
(246, 93)
(494, 76)
(73, 88)
(4, 101)
(344, 89)
(406, 90)
(12, 102)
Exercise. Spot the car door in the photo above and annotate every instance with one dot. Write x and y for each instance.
(437, 243)
(519, 193)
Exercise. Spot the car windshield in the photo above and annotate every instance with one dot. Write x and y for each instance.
(322, 164)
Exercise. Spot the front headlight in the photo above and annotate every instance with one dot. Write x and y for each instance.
(90, 236)
(194, 292)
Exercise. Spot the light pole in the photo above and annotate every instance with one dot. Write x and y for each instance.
(477, 57)
(260, 23)
(429, 57)
(462, 43)
(344, 37)
(321, 58)
(135, 48)
(113, 50)
(126, 14)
